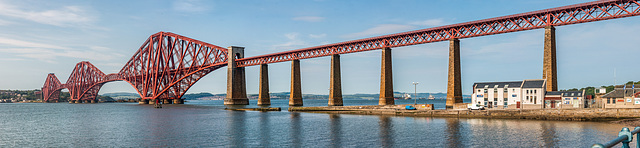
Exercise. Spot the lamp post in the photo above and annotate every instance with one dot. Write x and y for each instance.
(415, 92)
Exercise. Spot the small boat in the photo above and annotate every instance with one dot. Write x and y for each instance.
(431, 97)
(409, 107)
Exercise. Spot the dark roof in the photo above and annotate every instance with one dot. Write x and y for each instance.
(554, 93)
(500, 84)
(533, 83)
(572, 93)
(618, 93)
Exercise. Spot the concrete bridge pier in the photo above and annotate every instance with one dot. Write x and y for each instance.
(335, 95)
(93, 101)
(71, 101)
(295, 96)
(236, 86)
(263, 94)
(166, 101)
(152, 101)
(549, 68)
(454, 88)
(143, 101)
(178, 101)
(386, 79)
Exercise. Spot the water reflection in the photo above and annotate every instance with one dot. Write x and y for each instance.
(549, 134)
(336, 130)
(453, 132)
(386, 131)
(264, 129)
(236, 128)
(296, 130)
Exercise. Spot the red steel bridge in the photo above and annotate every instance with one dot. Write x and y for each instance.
(167, 64)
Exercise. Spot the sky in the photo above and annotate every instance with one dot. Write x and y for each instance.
(38, 37)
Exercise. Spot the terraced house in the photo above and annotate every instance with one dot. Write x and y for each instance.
(526, 94)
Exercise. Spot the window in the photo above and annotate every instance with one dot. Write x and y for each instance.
(608, 100)
(534, 91)
(495, 99)
(478, 90)
(527, 91)
(614, 101)
(485, 90)
(495, 104)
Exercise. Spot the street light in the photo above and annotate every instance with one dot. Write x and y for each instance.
(415, 92)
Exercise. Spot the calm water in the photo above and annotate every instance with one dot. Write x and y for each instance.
(206, 124)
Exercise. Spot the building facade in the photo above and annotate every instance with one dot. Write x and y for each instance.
(564, 99)
(526, 94)
(622, 97)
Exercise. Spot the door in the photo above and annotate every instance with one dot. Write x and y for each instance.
(553, 104)
(518, 104)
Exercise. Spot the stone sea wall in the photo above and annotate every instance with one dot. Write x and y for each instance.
(590, 114)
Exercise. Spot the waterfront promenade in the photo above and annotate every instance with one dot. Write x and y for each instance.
(581, 114)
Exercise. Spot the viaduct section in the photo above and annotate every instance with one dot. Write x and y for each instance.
(168, 80)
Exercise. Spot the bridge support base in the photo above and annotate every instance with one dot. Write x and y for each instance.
(143, 101)
(236, 86)
(295, 96)
(454, 88)
(386, 79)
(178, 101)
(549, 69)
(71, 101)
(152, 101)
(93, 101)
(263, 96)
(166, 101)
(335, 95)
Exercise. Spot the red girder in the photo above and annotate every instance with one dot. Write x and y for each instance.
(83, 81)
(572, 14)
(167, 65)
(51, 88)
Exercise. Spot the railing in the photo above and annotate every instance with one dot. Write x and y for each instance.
(625, 136)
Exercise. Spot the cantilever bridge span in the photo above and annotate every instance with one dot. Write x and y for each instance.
(168, 64)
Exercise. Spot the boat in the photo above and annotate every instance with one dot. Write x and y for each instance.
(431, 97)
(407, 96)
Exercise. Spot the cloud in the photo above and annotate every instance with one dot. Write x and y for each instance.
(380, 30)
(293, 41)
(317, 35)
(68, 16)
(308, 18)
(51, 53)
(5, 23)
(430, 23)
(19, 43)
(190, 6)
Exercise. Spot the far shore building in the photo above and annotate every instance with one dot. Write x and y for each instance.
(526, 94)
(565, 99)
(622, 97)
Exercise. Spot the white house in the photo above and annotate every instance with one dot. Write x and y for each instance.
(515, 94)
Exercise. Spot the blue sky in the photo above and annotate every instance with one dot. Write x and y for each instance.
(38, 37)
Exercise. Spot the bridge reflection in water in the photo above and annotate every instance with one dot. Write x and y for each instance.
(208, 125)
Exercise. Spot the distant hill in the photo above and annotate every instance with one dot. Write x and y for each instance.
(121, 95)
(281, 95)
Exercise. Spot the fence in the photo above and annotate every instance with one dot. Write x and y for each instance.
(624, 136)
